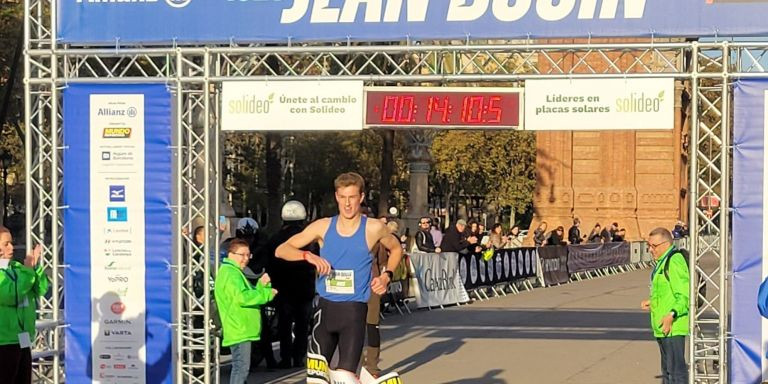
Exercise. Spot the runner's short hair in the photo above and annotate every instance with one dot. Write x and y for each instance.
(4, 229)
(349, 179)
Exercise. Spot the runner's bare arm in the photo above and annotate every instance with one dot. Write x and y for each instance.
(291, 249)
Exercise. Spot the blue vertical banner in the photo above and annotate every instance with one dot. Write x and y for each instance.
(117, 187)
(749, 329)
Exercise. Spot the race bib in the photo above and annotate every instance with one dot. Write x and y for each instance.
(341, 282)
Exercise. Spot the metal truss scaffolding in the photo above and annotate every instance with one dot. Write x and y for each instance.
(194, 75)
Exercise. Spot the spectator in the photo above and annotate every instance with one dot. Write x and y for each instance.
(607, 234)
(620, 236)
(20, 287)
(455, 240)
(513, 239)
(296, 283)
(437, 234)
(238, 302)
(474, 229)
(480, 230)
(424, 242)
(497, 241)
(372, 349)
(540, 234)
(594, 236)
(668, 303)
(556, 236)
(574, 234)
(677, 233)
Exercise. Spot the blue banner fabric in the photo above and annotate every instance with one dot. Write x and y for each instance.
(747, 355)
(117, 233)
(116, 23)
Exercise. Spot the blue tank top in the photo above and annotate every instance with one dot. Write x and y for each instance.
(350, 259)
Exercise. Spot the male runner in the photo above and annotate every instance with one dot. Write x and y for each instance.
(344, 266)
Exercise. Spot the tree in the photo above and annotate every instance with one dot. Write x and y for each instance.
(499, 166)
(11, 134)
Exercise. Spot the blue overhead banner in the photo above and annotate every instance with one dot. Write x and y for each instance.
(749, 342)
(121, 22)
(117, 234)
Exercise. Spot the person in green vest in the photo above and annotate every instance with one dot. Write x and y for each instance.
(239, 305)
(20, 287)
(668, 303)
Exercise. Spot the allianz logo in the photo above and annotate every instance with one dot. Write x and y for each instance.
(172, 3)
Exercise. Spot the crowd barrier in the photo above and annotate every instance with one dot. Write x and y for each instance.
(437, 280)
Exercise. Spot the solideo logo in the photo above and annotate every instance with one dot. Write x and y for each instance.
(117, 308)
(178, 3)
(640, 102)
(249, 104)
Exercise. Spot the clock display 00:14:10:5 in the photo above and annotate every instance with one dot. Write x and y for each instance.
(451, 109)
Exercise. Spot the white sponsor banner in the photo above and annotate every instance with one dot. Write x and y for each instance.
(117, 238)
(439, 279)
(292, 105)
(599, 104)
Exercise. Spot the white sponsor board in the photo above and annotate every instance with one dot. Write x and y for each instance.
(292, 105)
(599, 104)
(439, 280)
(117, 238)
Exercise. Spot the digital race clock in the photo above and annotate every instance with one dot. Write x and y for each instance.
(456, 107)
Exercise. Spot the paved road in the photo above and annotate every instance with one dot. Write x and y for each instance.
(589, 332)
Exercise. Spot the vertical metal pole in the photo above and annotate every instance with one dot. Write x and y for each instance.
(725, 205)
(217, 209)
(179, 251)
(692, 215)
(28, 130)
(207, 167)
(55, 193)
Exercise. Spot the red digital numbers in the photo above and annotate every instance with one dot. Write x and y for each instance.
(403, 106)
(398, 109)
(440, 105)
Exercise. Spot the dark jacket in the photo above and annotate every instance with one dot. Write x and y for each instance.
(539, 237)
(555, 239)
(294, 280)
(574, 235)
(606, 235)
(453, 241)
(424, 241)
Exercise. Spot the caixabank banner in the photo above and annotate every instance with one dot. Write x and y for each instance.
(123, 22)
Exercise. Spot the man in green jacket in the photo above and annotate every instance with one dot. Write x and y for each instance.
(20, 286)
(668, 304)
(238, 302)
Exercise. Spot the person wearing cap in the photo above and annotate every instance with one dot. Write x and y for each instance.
(296, 284)
(455, 239)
